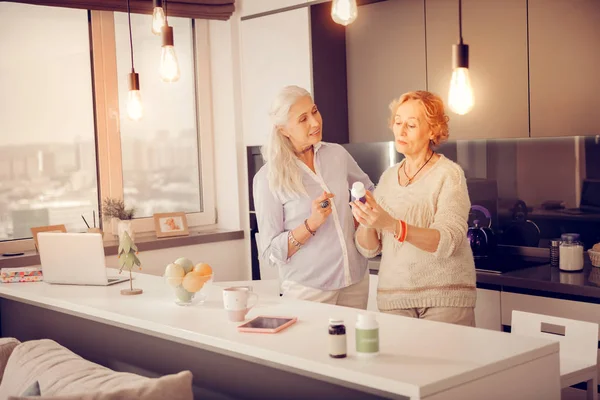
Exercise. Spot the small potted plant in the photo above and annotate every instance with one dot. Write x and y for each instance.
(115, 209)
(128, 258)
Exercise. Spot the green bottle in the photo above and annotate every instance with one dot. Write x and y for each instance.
(367, 335)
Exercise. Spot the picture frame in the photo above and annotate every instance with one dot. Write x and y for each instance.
(171, 224)
(48, 228)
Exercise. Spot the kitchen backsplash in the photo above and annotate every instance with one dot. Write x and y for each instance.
(528, 191)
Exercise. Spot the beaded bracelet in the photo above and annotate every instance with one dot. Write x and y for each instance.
(308, 228)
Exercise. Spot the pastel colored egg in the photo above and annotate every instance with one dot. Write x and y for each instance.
(185, 263)
(203, 269)
(183, 295)
(174, 281)
(192, 282)
(174, 274)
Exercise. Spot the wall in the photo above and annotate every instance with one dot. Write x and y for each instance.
(230, 151)
(228, 259)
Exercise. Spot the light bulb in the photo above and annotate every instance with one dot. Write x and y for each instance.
(158, 20)
(460, 95)
(169, 67)
(344, 12)
(135, 109)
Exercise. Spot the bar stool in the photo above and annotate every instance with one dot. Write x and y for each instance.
(578, 346)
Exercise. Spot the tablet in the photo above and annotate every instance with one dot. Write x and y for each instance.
(264, 324)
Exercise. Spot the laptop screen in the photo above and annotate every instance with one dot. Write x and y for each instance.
(590, 193)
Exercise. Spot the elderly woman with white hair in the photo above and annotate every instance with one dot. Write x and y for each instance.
(301, 199)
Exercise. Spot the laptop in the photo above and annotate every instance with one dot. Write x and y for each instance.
(74, 259)
(590, 199)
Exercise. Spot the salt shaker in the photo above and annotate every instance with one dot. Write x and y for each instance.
(554, 252)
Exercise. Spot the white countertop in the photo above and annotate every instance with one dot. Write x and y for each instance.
(417, 357)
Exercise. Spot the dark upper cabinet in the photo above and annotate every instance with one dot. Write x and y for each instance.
(496, 32)
(385, 55)
(564, 50)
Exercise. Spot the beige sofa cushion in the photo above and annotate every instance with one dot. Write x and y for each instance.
(61, 373)
(7, 345)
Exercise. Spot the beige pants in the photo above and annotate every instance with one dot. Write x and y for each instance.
(355, 296)
(453, 315)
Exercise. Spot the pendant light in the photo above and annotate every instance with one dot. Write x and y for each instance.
(169, 67)
(344, 12)
(460, 95)
(135, 109)
(158, 17)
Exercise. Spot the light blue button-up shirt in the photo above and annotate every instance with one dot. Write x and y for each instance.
(329, 260)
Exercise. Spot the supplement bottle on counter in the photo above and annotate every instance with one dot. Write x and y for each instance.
(367, 335)
(337, 338)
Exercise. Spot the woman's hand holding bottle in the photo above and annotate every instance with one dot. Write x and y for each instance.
(372, 215)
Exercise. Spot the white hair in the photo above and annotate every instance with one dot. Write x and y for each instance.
(283, 174)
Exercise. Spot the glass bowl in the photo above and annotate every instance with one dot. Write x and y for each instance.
(192, 292)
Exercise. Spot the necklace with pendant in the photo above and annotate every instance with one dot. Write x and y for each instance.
(417, 173)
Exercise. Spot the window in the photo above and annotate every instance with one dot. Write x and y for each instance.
(160, 151)
(65, 144)
(47, 138)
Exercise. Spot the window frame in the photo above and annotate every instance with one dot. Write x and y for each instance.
(107, 128)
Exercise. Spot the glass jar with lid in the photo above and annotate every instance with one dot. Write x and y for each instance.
(571, 252)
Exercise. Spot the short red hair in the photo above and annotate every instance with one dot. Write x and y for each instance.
(433, 110)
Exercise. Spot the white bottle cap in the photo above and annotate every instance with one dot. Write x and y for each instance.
(358, 190)
(366, 321)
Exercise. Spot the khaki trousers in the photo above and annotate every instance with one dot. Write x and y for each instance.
(356, 296)
(453, 315)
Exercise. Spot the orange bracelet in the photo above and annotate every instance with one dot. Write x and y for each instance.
(401, 237)
(404, 230)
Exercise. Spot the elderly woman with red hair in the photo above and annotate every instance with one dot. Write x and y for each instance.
(417, 219)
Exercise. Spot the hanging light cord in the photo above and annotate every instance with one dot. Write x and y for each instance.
(130, 35)
(460, 21)
(166, 15)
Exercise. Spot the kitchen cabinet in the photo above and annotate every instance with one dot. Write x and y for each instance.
(496, 32)
(487, 310)
(252, 7)
(385, 56)
(275, 52)
(549, 306)
(564, 38)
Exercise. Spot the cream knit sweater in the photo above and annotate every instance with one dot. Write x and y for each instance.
(413, 278)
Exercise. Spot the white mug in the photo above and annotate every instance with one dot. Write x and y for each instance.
(235, 300)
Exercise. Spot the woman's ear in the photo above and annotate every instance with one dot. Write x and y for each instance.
(283, 131)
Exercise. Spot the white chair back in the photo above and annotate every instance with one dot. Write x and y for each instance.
(578, 339)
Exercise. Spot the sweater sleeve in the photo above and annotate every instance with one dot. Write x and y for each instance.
(452, 213)
(366, 252)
